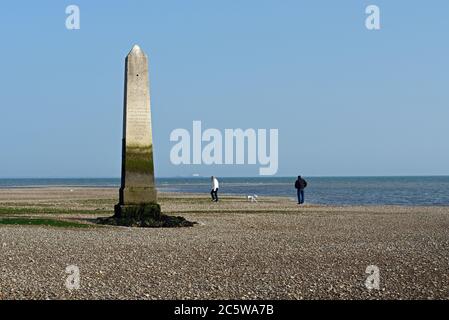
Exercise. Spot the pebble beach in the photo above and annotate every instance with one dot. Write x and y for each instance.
(269, 249)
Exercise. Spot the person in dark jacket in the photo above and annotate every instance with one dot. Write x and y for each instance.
(300, 185)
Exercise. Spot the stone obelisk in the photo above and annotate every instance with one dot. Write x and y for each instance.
(137, 185)
(138, 205)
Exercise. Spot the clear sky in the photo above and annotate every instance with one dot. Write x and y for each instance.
(346, 100)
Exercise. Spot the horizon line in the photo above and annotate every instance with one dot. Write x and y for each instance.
(289, 176)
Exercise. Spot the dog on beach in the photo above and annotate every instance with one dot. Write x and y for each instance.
(252, 198)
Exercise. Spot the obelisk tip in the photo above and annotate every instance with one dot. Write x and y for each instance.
(136, 50)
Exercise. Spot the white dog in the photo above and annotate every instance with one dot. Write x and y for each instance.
(252, 198)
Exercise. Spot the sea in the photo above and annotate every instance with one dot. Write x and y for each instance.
(410, 191)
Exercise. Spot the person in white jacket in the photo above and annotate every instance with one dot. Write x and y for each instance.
(214, 191)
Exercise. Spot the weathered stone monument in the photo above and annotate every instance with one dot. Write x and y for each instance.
(137, 145)
(137, 196)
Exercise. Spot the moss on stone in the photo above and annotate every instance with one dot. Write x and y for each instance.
(144, 215)
(139, 160)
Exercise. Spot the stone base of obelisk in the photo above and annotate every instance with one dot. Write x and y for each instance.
(147, 215)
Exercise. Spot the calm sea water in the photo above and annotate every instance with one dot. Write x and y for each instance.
(320, 190)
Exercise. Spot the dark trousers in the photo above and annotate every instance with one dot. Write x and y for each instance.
(214, 195)
(300, 196)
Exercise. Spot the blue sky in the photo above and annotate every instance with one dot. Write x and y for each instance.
(346, 100)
